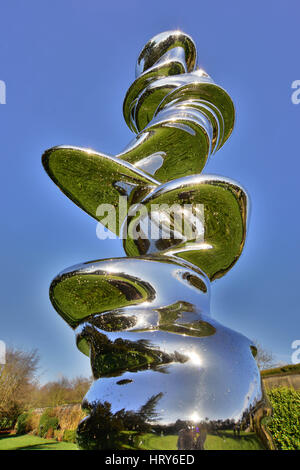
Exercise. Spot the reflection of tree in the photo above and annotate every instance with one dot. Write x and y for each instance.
(110, 358)
(147, 411)
(171, 319)
(113, 322)
(103, 429)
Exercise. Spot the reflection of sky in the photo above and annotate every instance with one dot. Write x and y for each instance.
(67, 66)
(249, 399)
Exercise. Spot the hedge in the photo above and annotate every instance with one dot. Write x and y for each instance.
(284, 424)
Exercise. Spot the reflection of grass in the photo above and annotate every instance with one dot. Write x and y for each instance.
(79, 296)
(227, 441)
(153, 442)
(90, 179)
(120, 359)
(199, 328)
(29, 442)
(169, 315)
(224, 214)
(224, 440)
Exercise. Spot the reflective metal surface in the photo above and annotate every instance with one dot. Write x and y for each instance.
(180, 115)
(167, 375)
(218, 226)
(162, 366)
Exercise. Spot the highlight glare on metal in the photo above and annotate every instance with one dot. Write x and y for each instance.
(166, 373)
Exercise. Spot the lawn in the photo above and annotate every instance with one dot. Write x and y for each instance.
(29, 442)
(225, 440)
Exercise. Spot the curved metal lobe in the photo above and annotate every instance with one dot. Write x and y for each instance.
(215, 208)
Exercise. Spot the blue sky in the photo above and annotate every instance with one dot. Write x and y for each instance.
(67, 66)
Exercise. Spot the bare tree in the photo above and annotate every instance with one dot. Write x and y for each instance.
(17, 382)
(80, 387)
(264, 358)
(63, 391)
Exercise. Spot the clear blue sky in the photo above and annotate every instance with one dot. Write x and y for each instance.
(67, 66)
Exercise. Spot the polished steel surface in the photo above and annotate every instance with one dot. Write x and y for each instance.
(218, 238)
(167, 375)
(180, 115)
(162, 365)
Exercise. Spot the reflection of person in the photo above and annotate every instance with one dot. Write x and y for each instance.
(237, 430)
(200, 441)
(185, 439)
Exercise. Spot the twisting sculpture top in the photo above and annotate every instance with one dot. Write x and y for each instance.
(162, 366)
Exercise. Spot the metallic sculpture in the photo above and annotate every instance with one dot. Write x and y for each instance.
(167, 375)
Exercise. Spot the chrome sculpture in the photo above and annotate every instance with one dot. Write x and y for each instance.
(167, 375)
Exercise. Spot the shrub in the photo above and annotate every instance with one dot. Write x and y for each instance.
(58, 434)
(9, 415)
(48, 420)
(284, 424)
(27, 422)
(5, 423)
(69, 416)
(69, 435)
(22, 423)
(50, 433)
(33, 423)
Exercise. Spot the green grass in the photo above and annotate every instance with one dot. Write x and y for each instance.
(227, 441)
(29, 442)
(224, 440)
